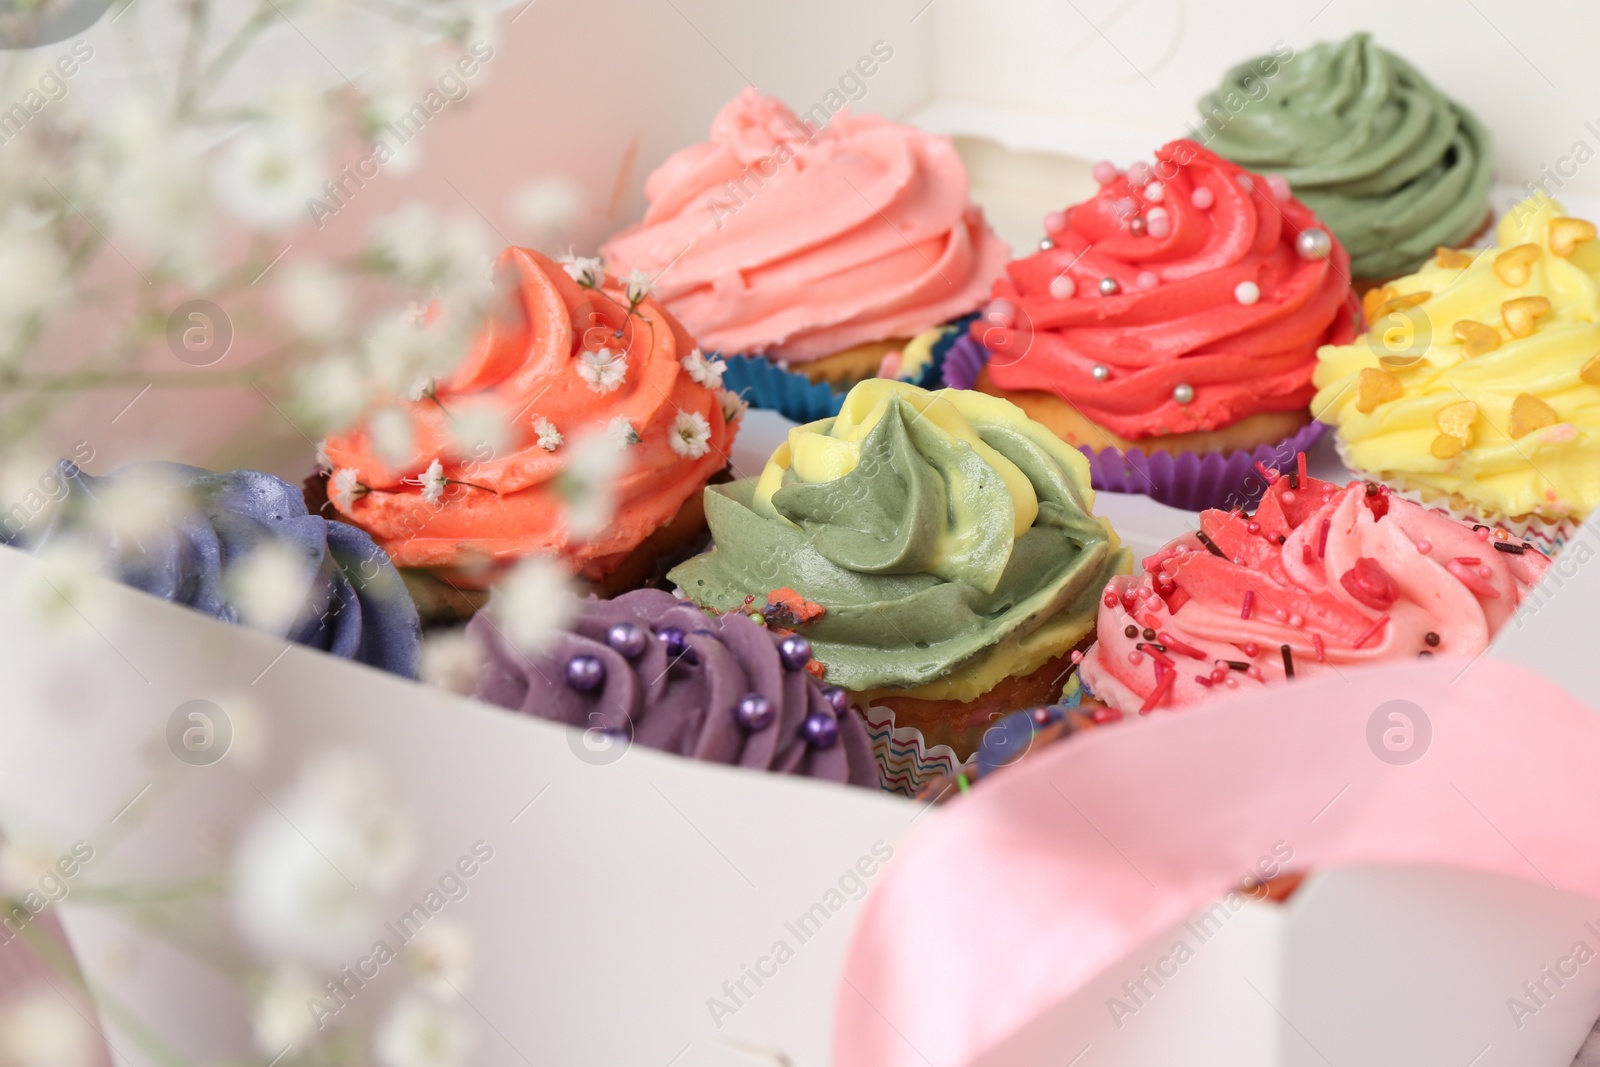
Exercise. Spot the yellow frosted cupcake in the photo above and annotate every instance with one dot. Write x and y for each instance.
(1477, 385)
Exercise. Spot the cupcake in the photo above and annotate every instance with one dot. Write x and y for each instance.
(650, 668)
(1478, 388)
(938, 550)
(238, 546)
(1169, 327)
(569, 361)
(822, 249)
(1388, 162)
(1318, 579)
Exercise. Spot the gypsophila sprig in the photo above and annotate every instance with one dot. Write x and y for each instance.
(708, 372)
(622, 433)
(433, 482)
(733, 405)
(588, 271)
(638, 286)
(691, 435)
(345, 487)
(603, 369)
(549, 438)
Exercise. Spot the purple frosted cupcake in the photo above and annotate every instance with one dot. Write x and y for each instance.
(650, 668)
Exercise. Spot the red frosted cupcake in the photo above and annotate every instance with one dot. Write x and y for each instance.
(1169, 327)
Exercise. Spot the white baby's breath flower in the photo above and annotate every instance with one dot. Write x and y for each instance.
(433, 482)
(41, 1029)
(621, 432)
(142, 501)
(603, 369)
(332, 391)
(440, 957)
(691, 435)
(417, 1033)
(549, 437)
(392, 436)
(422, 387)
(323, 462)
(31, 270)
(480, 428)
(269, 585)
(280, 1016)
(415, 316)
(62, 589)
(585, 270)
(638, 285)
(344, 487)
(266, 175)
(409, 238)
(547, 208)
(532, 603)
(451, 659)
(314, 298)
(708, 372)
(399, 356)
(733, 405)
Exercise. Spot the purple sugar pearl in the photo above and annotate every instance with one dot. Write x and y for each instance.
(795, 652)
(754, 712)
(627, 639)
(677, 643)
(838, 699)
(585, 673)
(820, 730)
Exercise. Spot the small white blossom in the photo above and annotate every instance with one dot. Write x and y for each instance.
(344, 487)
(433, 482)
(451, 659)
(638, 285)
(314, 298)
(332, 391)
(587, 486)
(440, 957)
(393, 438)
(532, 604)
(549, 436)
(280, 1016)
(266, 175)
(415, 316)
(621, 432)
(269, 586)
(708, 372)
(733, 405)
(416, 1033)
(323, 462)
(585, 270)
(604, 369)
(480, 428)
(423, 386)
(691, 435)
(547, 208)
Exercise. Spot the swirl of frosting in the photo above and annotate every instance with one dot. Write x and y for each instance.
(1174, 301)
(948, 537)
(1318, 578)
(672, 678)
(190, 536)
(558, 361)
(800, 242)
(1479, 383)
(1392, 165)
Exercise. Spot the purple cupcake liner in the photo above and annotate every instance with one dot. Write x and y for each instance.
(1187, 480)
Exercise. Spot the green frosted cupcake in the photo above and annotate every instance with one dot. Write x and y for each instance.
(1390, 164)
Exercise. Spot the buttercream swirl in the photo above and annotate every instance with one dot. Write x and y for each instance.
(559, 362)
(1337, 576)
(190, 536)
(1392, 165)
(1208, 291)
(1479, 383)
(682, 703)
(800, 242)
(949, 539)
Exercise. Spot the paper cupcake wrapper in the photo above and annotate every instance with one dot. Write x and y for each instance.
(1547, 537)
(764, 384)
(906, 762)
(1187, 480)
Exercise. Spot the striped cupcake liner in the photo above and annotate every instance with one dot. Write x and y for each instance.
(906, 762)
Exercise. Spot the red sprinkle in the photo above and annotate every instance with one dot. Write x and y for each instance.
(1316, 643)
(1322, 538)
(1305, 554)
(1163, 687)
(1110, 600)
(1372, 631)
(1105, 715)
(1270, 476)
(1300, 463)
(1163, 663)
(1179, 647)
(1203, 680)
(1469, 561)
(1249, 603)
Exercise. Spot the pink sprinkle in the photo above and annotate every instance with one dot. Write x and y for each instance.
(1202, 198)
(1105, 172)
(1482, 532)
(1146, 279)
(1179, 647)
(1300, 464)
(1424, 547)
(1254, 672)
(1288, 496)
(1203, 680)
(1322, 539)
(1279, 187)
(1139, 173)
(1305, 551)
(1110, 600)
(1316, 643)
(1252, 649)
(1001, 313)
(1249, 603)
(1253, 526)
(1296, 619)
(1231, 681)
(1125, 206)
(1158, 226)
(1055, 222)
(1244, 182)
(1077, 656)
(1136, 657)
(1270, 475)
(1372, 631)
(1484, 571)
(1219, 673)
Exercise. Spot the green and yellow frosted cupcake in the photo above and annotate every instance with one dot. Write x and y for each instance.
(1478, 385)
(938, 549)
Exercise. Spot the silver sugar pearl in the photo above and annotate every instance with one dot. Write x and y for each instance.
(1314, 244)
(1045, 244)
(1183, 392)
(1109, 287)
(1137, 226)
(1099, 372)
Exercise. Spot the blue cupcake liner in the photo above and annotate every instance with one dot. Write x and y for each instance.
(1188, 480)
(764, 384)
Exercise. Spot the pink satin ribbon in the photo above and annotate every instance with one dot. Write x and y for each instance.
(1059, 867)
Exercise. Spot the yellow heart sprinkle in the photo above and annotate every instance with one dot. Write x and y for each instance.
(1567, 234)
(1376, 297)
(1529, 413)
(1452, 259)
(1456, 420)
(1591, 370)
(1476, 338)
(1515, 265)
(1399, 303)
(1374, 387)
(1446, 447)
(1521, 313)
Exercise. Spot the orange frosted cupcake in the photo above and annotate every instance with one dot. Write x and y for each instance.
(595, 388)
